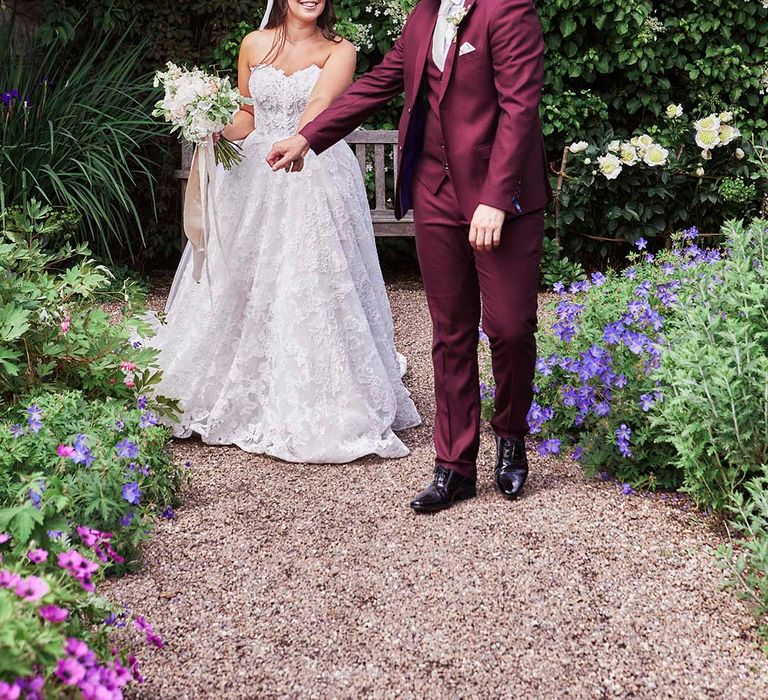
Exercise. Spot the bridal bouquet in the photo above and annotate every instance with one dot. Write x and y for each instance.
(200, 105)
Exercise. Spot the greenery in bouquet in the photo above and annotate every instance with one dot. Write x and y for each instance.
(199, 105)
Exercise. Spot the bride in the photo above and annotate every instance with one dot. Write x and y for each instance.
(286, 346)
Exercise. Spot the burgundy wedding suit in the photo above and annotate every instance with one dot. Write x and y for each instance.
(469, 135)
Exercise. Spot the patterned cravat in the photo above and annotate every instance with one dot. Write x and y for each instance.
(444, 33)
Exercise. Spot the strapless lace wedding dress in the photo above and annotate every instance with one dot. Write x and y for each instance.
(286, 346)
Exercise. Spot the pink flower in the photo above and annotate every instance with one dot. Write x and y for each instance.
(143, 626)
(129, 383)
(52, 613)
(8, 580)
(4, 537)
(69, 671)
(31, 588)
(70, 560)
(127, 366)
(89, 536)
(9, 691)
(65, 325)
(37, 556)
(65, 451)
(134, 664)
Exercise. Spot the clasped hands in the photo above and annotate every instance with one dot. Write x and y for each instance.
(487, 222)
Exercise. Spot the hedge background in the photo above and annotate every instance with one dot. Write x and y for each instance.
(611, 64)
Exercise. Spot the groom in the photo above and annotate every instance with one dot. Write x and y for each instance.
(472, 165)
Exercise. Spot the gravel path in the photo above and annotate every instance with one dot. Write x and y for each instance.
(292, 581)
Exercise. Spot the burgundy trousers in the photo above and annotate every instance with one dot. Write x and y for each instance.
(455, 279)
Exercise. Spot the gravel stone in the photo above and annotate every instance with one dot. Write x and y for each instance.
(303, 581)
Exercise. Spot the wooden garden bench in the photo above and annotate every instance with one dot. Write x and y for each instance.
(384, 222)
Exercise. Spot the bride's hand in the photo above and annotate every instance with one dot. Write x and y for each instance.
(289, 154)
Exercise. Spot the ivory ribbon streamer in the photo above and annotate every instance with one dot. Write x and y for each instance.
(200, 215)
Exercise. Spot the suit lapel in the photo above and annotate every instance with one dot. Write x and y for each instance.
(425, 30)
(453, 50)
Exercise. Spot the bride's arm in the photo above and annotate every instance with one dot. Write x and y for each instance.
(243, 124)
(338, 74)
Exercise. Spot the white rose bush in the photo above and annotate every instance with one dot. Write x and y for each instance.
(686, 170)
(199, 105)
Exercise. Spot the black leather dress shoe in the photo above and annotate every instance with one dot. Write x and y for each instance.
(447, 488)
(511, 467)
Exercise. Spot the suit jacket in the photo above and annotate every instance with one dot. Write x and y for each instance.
(489, 103)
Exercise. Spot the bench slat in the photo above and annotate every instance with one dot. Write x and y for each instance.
(384, 222)
(380, 175)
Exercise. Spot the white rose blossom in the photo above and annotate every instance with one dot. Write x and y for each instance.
(614, 146)
(610, 166)
(710, 123)
(707, 138)
(674, 111)
(728, 134)
(656, 155)
(628, 154)
(578, 147)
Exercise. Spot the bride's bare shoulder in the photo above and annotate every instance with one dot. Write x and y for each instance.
(257, 44)
(342, 48)
(258, 38)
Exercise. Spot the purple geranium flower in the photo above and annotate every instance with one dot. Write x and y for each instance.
(147, 419)
(627, 490)
(132, 493)
(641, 244)
(646, 402)
(623, 436)
(577, 454)
(127, 449)
(83, 454)
(169, 513)
(36, 495)
(598, 279)
(549, 447)
(34, 418)
(142, 403)
(558, 287)
(17, 431)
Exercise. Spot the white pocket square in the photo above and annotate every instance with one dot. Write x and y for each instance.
(466, 48)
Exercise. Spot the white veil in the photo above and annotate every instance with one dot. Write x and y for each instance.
(267, 13)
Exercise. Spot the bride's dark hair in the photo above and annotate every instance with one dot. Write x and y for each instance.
(326, 22)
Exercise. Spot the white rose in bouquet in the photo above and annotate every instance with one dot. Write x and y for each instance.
(199, 105)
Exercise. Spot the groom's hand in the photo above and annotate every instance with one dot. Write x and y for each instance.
(485, 230)
(288, 153)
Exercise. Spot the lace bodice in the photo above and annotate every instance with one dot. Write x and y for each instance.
(279, 99)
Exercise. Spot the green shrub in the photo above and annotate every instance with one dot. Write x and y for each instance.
(91, 484)
(73, 120)
(715, 374)
(53, 330)
(556, 267)
(595, 386)
(613, 187)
